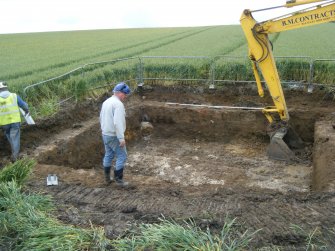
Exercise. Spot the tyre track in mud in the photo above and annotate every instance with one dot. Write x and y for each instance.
(270, 211)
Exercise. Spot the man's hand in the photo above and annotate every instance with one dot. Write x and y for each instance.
(122, 142)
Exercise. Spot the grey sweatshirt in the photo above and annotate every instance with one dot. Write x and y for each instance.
(113, 118)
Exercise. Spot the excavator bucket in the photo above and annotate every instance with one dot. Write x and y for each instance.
(282, 144)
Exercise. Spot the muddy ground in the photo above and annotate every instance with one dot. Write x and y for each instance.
(198, 162)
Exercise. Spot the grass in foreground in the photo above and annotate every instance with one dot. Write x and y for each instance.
(169, 235)
(26, 222)
(17, 172)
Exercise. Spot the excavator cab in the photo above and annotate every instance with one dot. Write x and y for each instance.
(283, 139)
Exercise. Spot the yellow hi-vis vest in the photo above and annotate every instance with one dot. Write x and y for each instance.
(9, 110)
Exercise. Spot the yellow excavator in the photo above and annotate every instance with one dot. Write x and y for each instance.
(283, 139)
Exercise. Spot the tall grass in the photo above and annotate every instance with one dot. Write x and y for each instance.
(44, 56)
(169, 235)
(26, 222)
(31, 58)
(313, 239)
(17, 172)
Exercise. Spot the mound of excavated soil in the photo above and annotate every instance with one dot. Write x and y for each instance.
(197, 161)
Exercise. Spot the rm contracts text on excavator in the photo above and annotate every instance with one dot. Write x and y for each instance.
(283, 139)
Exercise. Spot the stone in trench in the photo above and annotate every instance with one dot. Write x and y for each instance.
(146, 128)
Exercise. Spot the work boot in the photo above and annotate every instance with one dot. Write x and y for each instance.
(108, 178)
(118, 174)
(13, 159)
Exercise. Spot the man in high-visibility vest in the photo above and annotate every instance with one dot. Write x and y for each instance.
(10, 119)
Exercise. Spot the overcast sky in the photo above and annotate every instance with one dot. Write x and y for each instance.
(57, 15)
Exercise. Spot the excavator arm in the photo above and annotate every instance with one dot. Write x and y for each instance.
(261, 56)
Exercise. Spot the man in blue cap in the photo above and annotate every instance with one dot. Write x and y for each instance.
(113, 127)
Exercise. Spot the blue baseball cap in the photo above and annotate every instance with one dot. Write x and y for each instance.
(122, 87)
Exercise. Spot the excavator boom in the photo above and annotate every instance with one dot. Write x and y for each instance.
(282, 137)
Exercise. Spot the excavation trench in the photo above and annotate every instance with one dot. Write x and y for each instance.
(197, 142)
(199, 161)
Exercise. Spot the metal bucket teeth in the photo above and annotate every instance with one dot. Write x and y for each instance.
(278, 149)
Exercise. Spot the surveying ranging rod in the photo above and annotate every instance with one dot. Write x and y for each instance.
(218, 106)
(27, 117)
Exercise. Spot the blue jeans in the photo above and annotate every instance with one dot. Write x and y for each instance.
(12, 132)
(112, 148)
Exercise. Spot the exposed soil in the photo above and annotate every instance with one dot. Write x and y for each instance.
(323, 176)
(200, 162)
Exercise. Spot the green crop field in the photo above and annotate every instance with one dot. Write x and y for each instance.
(30, 58)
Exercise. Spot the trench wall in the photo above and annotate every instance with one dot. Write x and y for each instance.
(208, 124)
(81, 146)
(323, 177)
